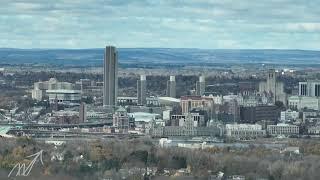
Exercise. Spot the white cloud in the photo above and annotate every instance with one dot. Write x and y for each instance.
(167, 23)
(304, 27)
(23, 6)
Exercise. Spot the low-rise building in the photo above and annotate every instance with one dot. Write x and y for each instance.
(244, 130)
(259, 113)
(121, 120)
(40, 88)
(314, 130)
(64, 96)
(289, 115)
(187, 129)
(282, 129)
(179, 120)
(150, 101)
(304, 102)
(191, 102)
(310, 117)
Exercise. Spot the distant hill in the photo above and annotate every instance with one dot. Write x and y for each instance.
(94, 57)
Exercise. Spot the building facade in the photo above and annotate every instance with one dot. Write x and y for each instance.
(171, 87)
(244, 130)
(309, 88)
(273, 88)
(110, 76)
(40, 89)
(179, 120)
(191, 102)
(259, 113)
(282, 129)
(200, 86)
(289, 115)
(187, 129)
(142, 90)
(314, 130)
(83, 113)
(121, 120)
(63, 96)
(304, 102)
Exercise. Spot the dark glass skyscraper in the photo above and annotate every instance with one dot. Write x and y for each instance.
(110, 76)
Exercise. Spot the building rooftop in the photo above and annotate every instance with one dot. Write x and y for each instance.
(195, 98)
(121, 109)
(170, 99)
(143, 116)
(64, 91)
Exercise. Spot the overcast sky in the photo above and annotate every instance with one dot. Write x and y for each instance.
(209, 24)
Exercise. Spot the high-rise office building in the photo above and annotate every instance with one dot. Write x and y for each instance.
(83, 113)
(171, 87)
(142, 90)
(200, 86)
(309, 88)
(110, 76)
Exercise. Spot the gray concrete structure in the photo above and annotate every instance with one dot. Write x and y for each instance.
(110, 76)
(83, 113)
(273, 87)
(142, 90)
(200, 86)
(171, 87)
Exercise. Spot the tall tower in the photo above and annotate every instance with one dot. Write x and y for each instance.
(83, 113)
(110, 76)
(171, 87)
(200, 86)
(271, 83)
(121, 120)
(142, 90)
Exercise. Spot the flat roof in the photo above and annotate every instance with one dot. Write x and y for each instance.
(64, 91)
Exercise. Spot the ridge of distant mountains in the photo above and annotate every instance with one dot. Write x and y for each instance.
(165, 56)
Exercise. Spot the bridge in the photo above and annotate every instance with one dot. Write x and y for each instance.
(56, 126)
(37, 133)
(56, 130)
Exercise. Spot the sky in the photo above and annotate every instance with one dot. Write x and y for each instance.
(205, 24)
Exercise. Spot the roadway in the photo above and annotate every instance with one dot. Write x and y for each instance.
(56, 126)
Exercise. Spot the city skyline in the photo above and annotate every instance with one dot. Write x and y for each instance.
(189, 24)
(160, 89)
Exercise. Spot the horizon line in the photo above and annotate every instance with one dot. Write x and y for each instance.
(283, 49)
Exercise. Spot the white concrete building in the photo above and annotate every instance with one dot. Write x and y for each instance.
(37, 94)
(314, 130)
(121, 120)
(144, 116)
(198, 120)
(53, 87)
(244, 130)
(64, 96)
(283, 129)
(301, 102)
(289, 115)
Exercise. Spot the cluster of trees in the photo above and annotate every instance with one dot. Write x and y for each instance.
(105, 158)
